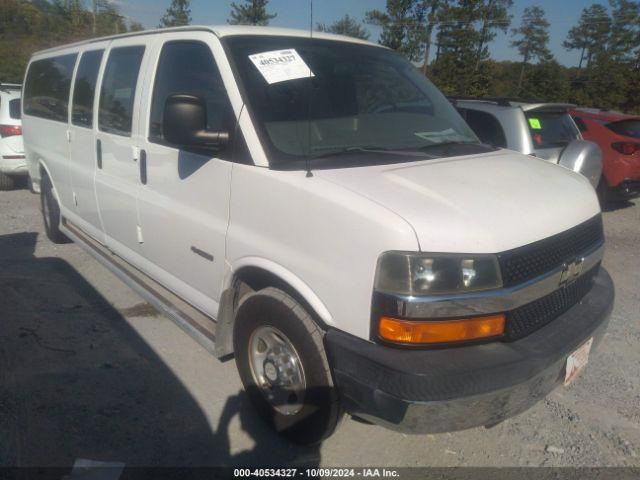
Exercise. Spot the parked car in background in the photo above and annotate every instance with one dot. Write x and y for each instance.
(12, 161)
(544, 130)
(318, 209)
(618, 135)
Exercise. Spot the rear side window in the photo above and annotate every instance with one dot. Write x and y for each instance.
(118, 90)
(551, 129)
(46, 91)
(14, 109)
(486, 127)
(628, 128)
(85, 88)
(580, 124)
(188, 67)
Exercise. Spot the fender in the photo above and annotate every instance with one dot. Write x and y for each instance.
(226, 313)
(44, 167)
(287, 276)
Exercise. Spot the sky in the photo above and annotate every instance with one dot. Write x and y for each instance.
(562, 14)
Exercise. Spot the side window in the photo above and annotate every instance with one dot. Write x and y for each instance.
(188, 67)
(14, 109)
(486, 127)
(119, 89)
(580, 123)
(46, 92)
(85, 88)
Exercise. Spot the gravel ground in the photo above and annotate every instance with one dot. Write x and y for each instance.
(87, 370)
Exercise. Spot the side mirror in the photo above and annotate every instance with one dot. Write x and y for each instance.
(184, 123)
(583, 157)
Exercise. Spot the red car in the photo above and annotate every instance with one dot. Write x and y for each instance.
(618, 136)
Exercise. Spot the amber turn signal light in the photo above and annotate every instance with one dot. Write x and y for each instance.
(440, 331)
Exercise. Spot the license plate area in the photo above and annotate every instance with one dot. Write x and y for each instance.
(577, 361)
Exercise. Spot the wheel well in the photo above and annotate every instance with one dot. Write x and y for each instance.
(248, 280)
(252, 279)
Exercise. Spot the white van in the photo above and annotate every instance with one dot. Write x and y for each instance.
(318, 209)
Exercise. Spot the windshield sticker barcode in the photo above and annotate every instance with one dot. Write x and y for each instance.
(281, 65)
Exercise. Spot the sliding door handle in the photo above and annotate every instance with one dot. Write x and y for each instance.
(99, 153)
(143, 167)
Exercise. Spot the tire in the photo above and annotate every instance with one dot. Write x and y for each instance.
(602, 191)
(306, 418)
(7, 182)
(51, 212)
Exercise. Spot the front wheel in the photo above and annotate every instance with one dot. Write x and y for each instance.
(283, 366)
(51, 212)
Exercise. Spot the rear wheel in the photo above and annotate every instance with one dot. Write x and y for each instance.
(602, 190)
(281, 360)
(51, 212)
(7, 182)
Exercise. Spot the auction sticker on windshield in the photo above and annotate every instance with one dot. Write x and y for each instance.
(577, 361)
(281, 65)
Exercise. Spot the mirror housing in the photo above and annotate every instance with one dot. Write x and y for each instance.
(184, 123)
(583, 157)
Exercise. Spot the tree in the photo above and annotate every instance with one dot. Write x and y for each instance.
(28, 26)
(625, 26)
(466, 28)
(532, 38)
(402, 25)
(135, 26)
(253, 12)
(494, 16)
(591, 35)
(432, 11)
(345, 26)
(177, 14)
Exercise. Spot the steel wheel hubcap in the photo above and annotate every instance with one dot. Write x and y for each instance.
(277, 370)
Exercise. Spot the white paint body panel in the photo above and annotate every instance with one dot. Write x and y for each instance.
(485, 203)
(321, 234)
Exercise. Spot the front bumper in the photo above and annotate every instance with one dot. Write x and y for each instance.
(442, 390)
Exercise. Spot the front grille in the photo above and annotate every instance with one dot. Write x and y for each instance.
(530, 317)
(527, 262)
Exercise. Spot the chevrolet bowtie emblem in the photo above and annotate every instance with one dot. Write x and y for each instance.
(571, 271)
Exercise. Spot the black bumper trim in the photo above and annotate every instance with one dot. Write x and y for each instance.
(462, 387)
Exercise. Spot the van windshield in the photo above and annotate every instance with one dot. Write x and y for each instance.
(356, 104)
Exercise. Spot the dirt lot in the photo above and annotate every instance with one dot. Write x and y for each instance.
(87, 370)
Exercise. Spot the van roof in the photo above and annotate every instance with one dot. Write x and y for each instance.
(220, 31)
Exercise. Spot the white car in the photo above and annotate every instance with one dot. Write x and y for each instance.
(12, 160)
(318, 209)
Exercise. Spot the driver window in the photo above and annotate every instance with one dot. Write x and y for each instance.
(188, 67)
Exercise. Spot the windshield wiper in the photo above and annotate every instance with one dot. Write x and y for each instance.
(356, 149)
(448, 144)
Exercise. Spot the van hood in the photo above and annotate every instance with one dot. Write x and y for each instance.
(485, 203)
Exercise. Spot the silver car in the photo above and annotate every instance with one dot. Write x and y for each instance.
(544, 130)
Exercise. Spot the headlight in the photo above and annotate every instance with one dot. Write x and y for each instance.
(415, 273)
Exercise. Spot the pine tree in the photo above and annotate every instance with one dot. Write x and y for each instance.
(532, 38)
(177, 14)
(430, 10)
(345, 26)
(494, 16)
(625, 26)
(403, 26)
(591, 35)
(252, 12)
(457, 65)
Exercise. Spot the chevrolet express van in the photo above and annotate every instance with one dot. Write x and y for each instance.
(316, 208)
